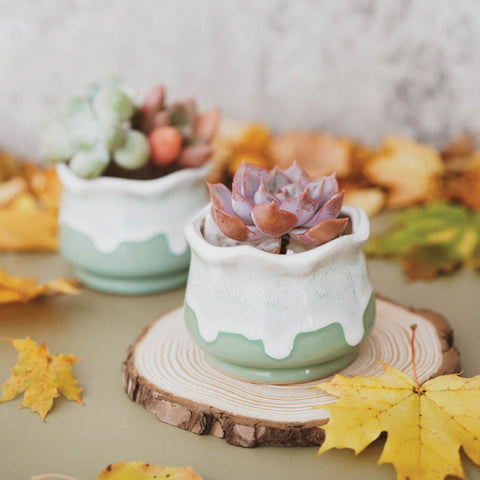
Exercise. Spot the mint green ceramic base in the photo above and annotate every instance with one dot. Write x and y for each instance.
(314, 355)
(131, 286)
(133, 268)
(284, 375)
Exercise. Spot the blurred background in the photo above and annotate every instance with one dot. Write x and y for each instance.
(360, 68)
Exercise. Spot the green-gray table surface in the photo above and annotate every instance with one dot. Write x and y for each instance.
(81, 440)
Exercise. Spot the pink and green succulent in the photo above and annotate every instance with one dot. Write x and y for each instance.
(271, 208)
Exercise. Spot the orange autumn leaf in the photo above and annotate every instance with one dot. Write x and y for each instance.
(41, 376)
(145, 471)
(22, 289)
(426, 424)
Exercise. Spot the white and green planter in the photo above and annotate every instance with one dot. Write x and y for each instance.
(280, 318)
(126, 236)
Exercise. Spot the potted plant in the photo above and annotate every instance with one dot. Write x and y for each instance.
(278, 290)
(132, 176)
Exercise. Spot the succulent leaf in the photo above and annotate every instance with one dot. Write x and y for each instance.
(113, 135)
(165, 145)
(221, 197)
(206, 125)
(154, 100)
(160, 119)
(250, 183)
(330, 188)
(112, 103)
(194, 156)
(263, 196)
(315, 189)
(79, 118)
(272, 221)
(90, 163)
(329, 210)
(242, 206)
(303, 207)
(321, 233)
(297, 174)
(276, 181)
(134, 153)
(233, 227)
(183, 113)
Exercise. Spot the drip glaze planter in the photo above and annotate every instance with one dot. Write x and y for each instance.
(125, 236)
(280, 318)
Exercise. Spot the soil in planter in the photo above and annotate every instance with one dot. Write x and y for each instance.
(149, 172)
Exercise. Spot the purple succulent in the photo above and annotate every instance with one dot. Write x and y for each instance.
(267, 205)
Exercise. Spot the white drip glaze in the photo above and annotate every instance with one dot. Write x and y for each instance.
(112, 211)
(273, 298)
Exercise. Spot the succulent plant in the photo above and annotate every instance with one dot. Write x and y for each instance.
(88, 132)
(271, 208)
(105, 127)
(177, 133)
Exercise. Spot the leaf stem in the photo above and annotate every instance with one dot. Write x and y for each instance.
(412, 344)
(285, 242)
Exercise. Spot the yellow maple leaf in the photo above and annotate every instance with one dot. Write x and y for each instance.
(41, 376)
(426, 424)
(145, 471)
(22, 289)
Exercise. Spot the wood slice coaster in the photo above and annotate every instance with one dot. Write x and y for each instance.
(168, 374)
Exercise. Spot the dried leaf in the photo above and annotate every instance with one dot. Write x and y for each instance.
(25, 226)
(253, 146)
(29, 201)
(411, 171)
(462, 183)
(41, 376)
(11, 189)
(371, 200)
(9, 166)
(430, 240)
(318, 153)
(236, 143)
(44, 184)
(145, 471)
(426, 425)
(461, 146)
(21, 289)
(426, 262)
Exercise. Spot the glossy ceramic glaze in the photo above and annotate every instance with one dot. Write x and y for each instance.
(126, 236)
(280, 318)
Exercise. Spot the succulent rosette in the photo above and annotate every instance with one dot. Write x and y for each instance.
(105, 133)
(271, 208)
(177, 132)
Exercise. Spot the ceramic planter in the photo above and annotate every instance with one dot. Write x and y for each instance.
(126, 236)
(280, 318)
